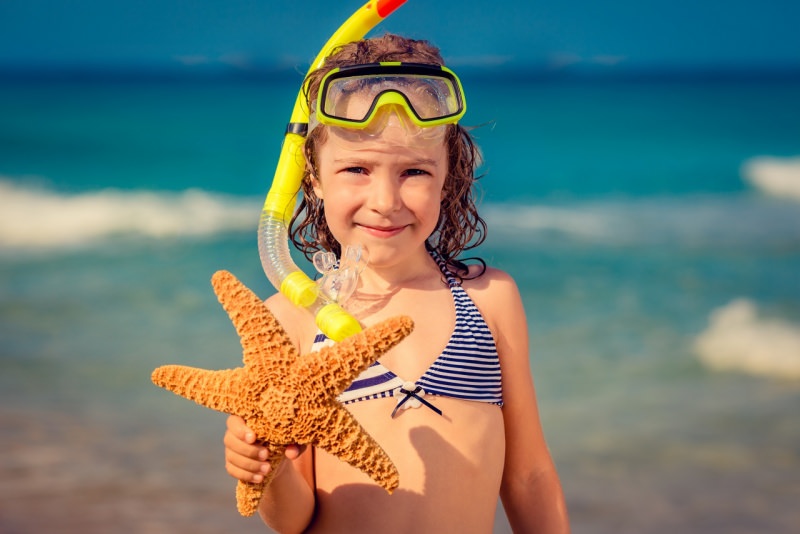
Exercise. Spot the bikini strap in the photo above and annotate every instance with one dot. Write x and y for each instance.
(452, 281)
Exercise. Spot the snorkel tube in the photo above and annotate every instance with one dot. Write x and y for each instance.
(273, 227)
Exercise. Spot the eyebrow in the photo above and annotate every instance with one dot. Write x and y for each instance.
(362, 161)
(425, 161)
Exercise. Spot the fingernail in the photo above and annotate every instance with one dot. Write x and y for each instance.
(265, 468)
(250, 437)
(257, 478)
(262, 454)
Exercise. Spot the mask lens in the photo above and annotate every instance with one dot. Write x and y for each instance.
(351, 97)
(354, 99)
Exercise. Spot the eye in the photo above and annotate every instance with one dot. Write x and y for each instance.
(355, 170)
(416, 172)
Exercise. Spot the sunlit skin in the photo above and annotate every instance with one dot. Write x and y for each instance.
(384, 192)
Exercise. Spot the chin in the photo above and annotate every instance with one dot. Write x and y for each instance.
(386, 254)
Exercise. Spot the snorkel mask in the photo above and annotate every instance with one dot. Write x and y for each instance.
(356, 101)
(361, 101)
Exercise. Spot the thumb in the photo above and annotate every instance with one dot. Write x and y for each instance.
(293, 451)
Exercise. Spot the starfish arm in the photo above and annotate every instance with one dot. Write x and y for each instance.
(334, 368)
(342, 436)
(224, 391)
(259, 331)
(249, 494)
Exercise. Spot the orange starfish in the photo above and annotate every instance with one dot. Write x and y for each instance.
(285, 398)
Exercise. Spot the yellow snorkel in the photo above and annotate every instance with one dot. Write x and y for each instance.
(273, 228)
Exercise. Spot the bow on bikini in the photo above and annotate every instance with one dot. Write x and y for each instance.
(411, 391)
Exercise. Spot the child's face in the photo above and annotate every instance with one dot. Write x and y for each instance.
(381, 191)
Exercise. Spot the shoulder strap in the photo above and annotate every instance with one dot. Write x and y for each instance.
(452, 281)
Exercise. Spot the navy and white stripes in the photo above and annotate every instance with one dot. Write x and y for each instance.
(468, 368)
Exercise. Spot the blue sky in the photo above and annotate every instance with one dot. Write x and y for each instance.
(555, 33)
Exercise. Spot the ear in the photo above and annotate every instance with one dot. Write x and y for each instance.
(316, 186)
(312, 178)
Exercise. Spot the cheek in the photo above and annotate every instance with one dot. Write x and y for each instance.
(427, 206)
(338, 208)
(436, 211)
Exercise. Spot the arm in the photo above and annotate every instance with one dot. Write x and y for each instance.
(289, 500)
(530, 490)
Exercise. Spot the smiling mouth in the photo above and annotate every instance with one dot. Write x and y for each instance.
(383, 232)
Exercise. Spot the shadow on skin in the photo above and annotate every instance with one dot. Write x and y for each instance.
(367, 507)
(366, 304)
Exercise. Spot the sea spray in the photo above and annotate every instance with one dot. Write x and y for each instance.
(738, 339)
(42, 218)
(779, 177)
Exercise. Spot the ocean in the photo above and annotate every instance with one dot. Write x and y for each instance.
(653, 227)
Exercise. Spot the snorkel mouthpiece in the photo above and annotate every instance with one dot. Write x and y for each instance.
(273, 234)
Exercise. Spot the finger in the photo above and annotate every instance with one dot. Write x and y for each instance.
(234, 446)
(245, 461)
(246, 475)
(294, 451)
(239, 428)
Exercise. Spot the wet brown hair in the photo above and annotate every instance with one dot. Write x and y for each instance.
(460, 227)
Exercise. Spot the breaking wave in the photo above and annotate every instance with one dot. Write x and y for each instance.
(738, 339)
(774, 176)
(40, 218)
(738, 220)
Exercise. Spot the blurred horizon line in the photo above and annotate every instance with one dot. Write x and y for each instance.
(61, 71)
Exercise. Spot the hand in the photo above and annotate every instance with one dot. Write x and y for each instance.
(246, 458)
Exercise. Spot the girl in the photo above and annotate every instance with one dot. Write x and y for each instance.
(453, 405)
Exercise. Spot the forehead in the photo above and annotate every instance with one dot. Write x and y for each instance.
(391, 141)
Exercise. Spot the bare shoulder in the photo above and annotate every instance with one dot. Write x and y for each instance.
(496, 295)
(493, 285)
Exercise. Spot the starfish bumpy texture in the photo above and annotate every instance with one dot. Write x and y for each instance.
(286, 398)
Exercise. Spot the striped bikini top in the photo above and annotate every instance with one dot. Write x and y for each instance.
(468, 368)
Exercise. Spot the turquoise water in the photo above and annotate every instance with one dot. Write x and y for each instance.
(653, 229)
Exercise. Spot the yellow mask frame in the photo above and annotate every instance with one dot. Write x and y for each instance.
(430, 95)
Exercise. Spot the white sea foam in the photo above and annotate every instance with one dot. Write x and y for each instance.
(737, 339)
(774, 176)
(592, 223)
(700, 220)
(37, 218)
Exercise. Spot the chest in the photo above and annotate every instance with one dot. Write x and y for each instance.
(434, 316)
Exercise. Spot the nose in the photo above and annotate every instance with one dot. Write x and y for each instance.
(384, 195)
